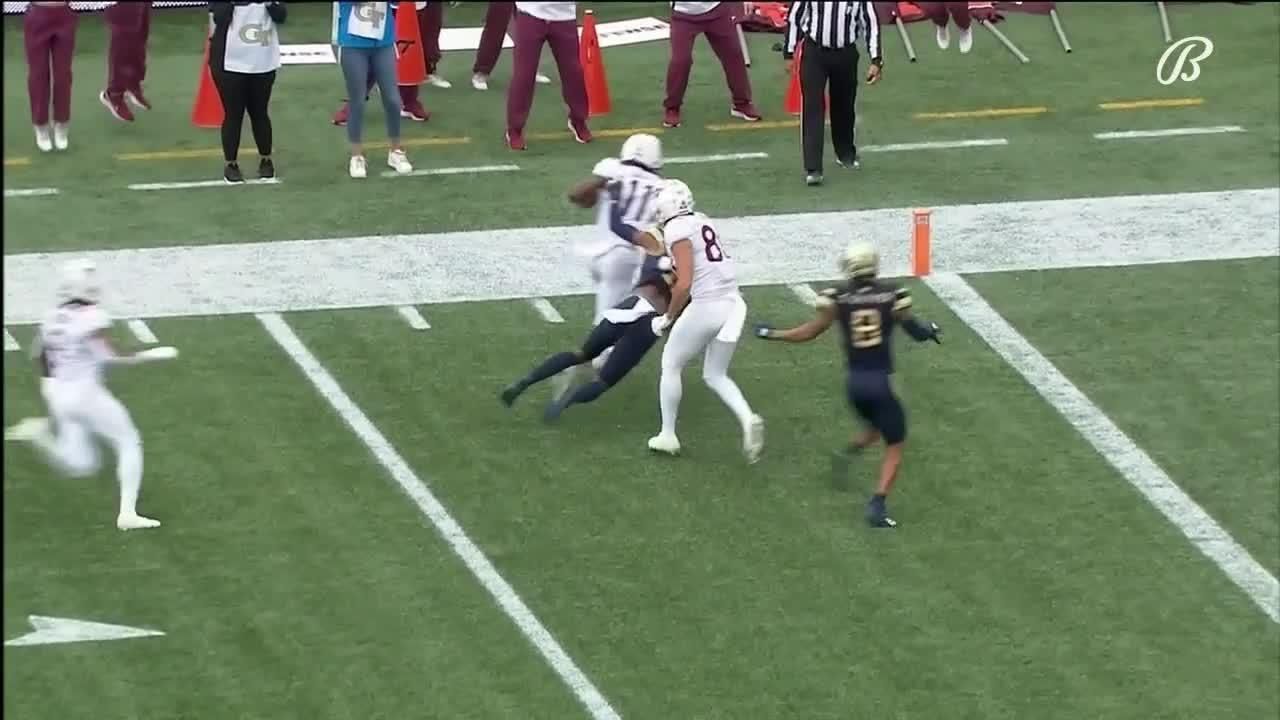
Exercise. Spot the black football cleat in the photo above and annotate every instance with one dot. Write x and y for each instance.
(509, 395)
(878, 514)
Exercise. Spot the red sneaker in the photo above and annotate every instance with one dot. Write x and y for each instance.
(137, 99)
(747, 112)
(515, 140)
(116, 107)
(580, 131)
(671, 119)
(340, 117)
(415, 111)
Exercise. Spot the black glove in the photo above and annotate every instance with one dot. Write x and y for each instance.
(936, 332)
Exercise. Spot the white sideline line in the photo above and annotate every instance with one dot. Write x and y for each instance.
(30, 192)
(413, 317)
(686, 159)
(806, 294)
(1111, 442)
(10, 344)
(142, 332)
(939, 145)
(202, 184)
(452, 170)
(475, 560)
(1130, 134)
(546, 310)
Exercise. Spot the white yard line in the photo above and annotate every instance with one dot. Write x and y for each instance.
(202, 184)
(142, 332)
(10, 344)
(546, 310)
(475, 560)
(452, 170)
(1111, 442)
(939, 145)
(1171, 132)
(688, 159)
(413, 317)
(29, 192)
(806, 294)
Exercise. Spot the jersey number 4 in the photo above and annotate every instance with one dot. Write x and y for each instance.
(711, 245)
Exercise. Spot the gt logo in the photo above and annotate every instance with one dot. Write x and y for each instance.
(253, 34)
(369, 12)
(1188, 45)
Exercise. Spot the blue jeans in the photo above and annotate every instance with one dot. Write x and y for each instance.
(358, 65)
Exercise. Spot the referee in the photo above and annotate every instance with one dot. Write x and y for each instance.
(829, 61)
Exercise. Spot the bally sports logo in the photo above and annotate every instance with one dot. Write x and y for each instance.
(1188, 45)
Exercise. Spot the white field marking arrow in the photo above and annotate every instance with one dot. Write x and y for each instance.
(53, 630)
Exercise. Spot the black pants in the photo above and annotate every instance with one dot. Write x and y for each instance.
(241, 93)
(630, 343)
(871, 396)
(835, 71)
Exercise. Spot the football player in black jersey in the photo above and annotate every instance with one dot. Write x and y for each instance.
(866, 310)
(627, 328)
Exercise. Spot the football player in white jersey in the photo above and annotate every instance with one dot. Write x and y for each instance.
(706, 313)
(71, 349)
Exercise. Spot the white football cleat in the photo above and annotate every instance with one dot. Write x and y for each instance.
(944, 37)
(542, 79)
(480, 81)
(134, 521)
(436, 81)
(398, 161)
(753, 440)
(27, 429)
(358, 169)
(43, 139)
(665, 444)
(60, 139)
(966, 40)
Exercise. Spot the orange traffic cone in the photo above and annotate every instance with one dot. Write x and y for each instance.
(207, 111)
(795, 98)
(598, 102)
(411, 66)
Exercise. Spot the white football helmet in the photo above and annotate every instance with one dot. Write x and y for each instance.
(644, 149)
(674, 198)
(79, 281)
(860, 260)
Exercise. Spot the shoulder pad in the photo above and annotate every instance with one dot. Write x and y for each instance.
(901, 299)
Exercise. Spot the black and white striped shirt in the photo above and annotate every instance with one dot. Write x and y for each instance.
(833, 25)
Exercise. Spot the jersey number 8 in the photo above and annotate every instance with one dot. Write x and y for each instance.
(864, 328)
(711, 245)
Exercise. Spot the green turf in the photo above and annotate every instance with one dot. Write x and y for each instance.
(1049, 156)
(1183, 358)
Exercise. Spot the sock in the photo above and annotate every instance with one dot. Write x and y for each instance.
(129, 472)
(551, 366)
(670, 388)
(732, 396)
(877, 501)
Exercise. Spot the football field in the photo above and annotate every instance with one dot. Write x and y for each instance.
(355, 527)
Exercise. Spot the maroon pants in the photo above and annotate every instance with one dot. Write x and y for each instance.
(938, 11)
(496, 20)
(49, 36)
(129, 24)
(721, 32)
(562, 36)
(430, 23)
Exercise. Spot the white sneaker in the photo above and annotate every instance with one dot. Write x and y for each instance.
(60, 139)
(437, 81)
(43, 140)
(135, 521)
(966, 39)
(397, 161)
(358, 168)
(27, 429)
(944, 37)
(542, 79)
(480, 81)
(665, 444)
(753, 439)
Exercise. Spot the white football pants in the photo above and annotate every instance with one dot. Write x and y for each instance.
(80, 410)
(713, 326)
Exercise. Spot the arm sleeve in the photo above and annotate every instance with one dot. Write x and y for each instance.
(278, 12)
(221, 12)
(793, 30)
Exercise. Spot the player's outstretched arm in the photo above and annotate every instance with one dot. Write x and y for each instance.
(102, 346)
(801, 333)
(918, 330)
